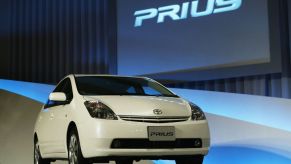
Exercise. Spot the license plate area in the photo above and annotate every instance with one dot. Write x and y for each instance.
(161, 133)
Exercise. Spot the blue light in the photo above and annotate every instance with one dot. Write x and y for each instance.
(164, 162)
(35, 91)
(238, 155)
(243, 155)
(266, 111)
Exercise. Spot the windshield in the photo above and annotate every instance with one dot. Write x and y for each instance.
(108, 85)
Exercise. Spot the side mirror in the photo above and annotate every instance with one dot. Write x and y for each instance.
(58, 96)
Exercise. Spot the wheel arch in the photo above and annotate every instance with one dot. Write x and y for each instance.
(72, 125)
(35, 138)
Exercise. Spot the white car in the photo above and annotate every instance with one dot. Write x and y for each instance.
(99, 118)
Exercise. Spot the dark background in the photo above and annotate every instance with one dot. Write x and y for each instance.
(44, 40)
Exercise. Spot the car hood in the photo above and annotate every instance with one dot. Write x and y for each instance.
(144, 105)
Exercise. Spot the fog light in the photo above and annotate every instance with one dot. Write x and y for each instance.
(198, 143)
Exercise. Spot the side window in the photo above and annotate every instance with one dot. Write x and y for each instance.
(131, 90)
(67, 89)
(150, 91)
(60, 86)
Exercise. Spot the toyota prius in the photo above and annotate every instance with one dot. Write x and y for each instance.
(102, 118)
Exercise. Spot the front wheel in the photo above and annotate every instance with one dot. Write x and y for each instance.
(194, 160)
(74, 150)
(37, 156)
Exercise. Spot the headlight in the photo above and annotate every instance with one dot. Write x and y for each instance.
(99, 110)
(197, 113)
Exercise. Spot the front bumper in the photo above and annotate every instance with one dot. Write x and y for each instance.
(96, 137)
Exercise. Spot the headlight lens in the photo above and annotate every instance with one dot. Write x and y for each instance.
(197, 113)
(99, 110)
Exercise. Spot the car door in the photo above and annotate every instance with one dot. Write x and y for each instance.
(60, 119)
(51, 143)
(43, 133)
(46, 134)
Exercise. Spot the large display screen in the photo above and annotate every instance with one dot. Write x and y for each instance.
(157, 36)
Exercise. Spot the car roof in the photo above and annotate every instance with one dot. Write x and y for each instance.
(107, 75)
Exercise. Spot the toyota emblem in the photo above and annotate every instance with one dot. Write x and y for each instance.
(158, 112)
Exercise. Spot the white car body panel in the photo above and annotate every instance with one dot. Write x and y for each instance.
(96, 135)
(127, 129)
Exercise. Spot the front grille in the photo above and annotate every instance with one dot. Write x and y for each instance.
(153, 119)
(146, 144)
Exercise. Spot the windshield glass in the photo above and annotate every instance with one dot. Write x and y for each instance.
(108, 85)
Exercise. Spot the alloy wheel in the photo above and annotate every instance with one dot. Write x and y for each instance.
(36, 153)
(73, 150)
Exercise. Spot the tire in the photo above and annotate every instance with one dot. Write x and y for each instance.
(191, 160)
(124, 161)
(37, 155)
(75, 155)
